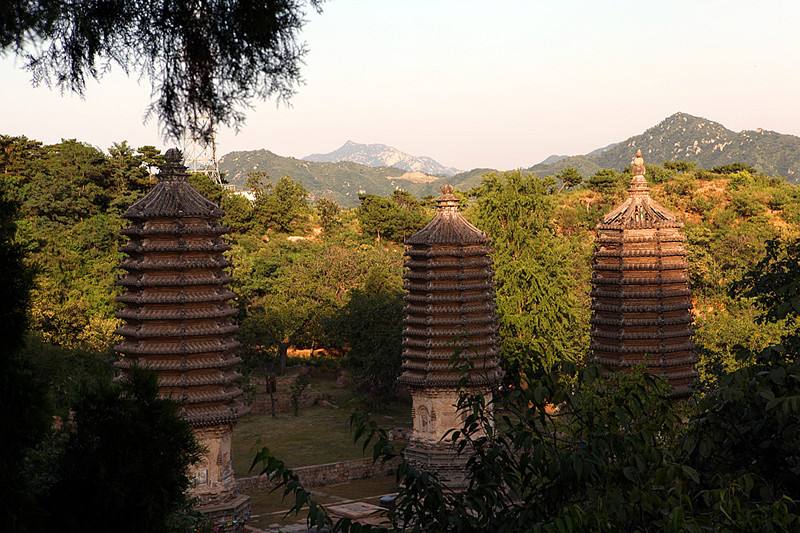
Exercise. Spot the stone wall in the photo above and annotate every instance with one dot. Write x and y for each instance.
(325, 474)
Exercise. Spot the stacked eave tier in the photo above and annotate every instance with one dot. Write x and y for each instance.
(449, 316)
(641, 302)
(179, 321)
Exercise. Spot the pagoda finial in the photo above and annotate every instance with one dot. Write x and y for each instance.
(638, 183)
(637, 164)
(447, 201)
(173, 168)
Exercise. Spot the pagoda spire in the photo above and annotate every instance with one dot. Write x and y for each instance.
(639, 209)
(449, 314)
(641, 302)
(179, 323)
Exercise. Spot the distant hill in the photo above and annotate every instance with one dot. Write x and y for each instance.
(689, 138)
(381, 155)
(678, 137)
(341, 181)
(464, 181)
(583, 163)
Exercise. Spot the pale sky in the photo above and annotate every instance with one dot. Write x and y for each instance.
(497, 84)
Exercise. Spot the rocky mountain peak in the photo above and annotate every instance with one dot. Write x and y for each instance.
(381, 155)
(682, 136)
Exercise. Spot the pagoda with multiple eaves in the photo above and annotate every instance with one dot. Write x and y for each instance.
(450, 335)
(641, 302)
(179, 322)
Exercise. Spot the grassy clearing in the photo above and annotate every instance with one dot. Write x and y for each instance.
(318, 435)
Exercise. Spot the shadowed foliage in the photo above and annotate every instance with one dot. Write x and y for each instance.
(206, 60)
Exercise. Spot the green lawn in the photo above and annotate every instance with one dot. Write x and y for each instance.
(318, 435)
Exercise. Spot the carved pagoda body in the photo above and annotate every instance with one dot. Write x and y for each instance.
(641, 302)
(449, 311)
(179, 322)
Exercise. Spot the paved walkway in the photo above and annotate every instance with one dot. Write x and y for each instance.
(278, 522)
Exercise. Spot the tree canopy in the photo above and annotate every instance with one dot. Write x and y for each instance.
(538, 303)
(206, 60)
(394, 217)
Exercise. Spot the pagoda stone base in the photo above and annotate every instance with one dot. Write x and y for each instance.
(441, 458)
(213, 479)
(214, 484)
(227, 517)
(434, 414)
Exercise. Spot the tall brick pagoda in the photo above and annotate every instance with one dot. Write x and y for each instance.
(180, 323)
(450, 309)
(641, 302)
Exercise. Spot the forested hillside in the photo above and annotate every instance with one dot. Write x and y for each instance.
(341, 181)
(316, 275)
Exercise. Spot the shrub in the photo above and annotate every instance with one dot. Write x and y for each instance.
(682, 185)
(746, 204)
(680, 166)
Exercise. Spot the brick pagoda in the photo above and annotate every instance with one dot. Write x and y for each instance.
(641, 302)
(179, 322)
(450, 309)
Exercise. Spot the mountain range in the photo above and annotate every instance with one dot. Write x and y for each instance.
(380, 169)
(381, 155)
(689, 138)
(341, 181)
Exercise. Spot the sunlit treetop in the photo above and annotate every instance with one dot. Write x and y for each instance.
(206, 60)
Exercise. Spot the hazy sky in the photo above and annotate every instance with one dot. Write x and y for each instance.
(499, 84)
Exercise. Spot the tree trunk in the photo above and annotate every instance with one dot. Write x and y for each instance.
(283, 348)
(270, 385)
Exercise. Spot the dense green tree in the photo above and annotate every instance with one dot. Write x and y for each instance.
(282, 207)
(371, 324)
(607, 180)
(680, 166)
(569, 178)
(659, 174)
(294, 291)
(72, 182)
(329, 214)
(206, 186)
(536, 270)
(774, 282)
(681, 185)
(152, 158)
(130, 175)
(238, 212)
(747, 204)
(124, 462)
(18, 153)
(69, 373)
(393, 218)
(728, 334)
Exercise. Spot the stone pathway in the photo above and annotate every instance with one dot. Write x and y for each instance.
(300, 525)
